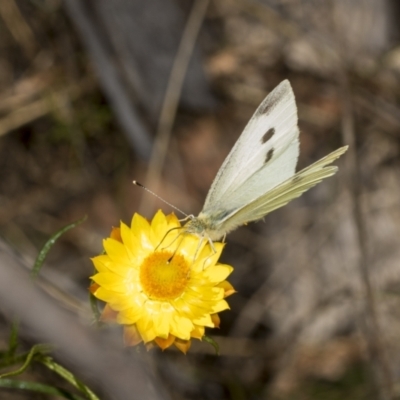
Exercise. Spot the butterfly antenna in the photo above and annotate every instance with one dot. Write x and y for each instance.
(160, 198)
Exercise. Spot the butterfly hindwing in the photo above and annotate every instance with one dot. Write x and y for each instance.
(284, 193)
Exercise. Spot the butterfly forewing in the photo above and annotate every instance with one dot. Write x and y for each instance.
(280, 169)
(264, 156)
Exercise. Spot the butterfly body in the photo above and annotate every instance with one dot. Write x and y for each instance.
(211, 226)
(259, 174)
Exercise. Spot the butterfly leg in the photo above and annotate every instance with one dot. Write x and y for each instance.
(191, 216)
(210, 242)
(165, 236)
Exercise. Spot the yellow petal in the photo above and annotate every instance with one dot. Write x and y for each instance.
(131, 335)
(101, 263)
(129, 316)
(218, 272)
(134, 248)
(108, 314)
(116, 234)
(208, 257)
(166, 231)
(205, 320)
(116, 251)
(205, 293)
(93, 288)
(142, 231)
(120, 271)
(216, 320)
(181, 327)
(228, 288)
(159, 225)
(146, 328)
(161, 314)
(191, 246)
(172, 221)
(113, 282)
(162, 324)
(221, 306)
(197, 332)
(165, 343)
(117, 301)
(192, 307)
(183, 345)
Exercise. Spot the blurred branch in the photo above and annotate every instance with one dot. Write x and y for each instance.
(25, 109)
(172, 95)
(91, 354)
(25, 91)
(114, 89)
(24, 115)
(18, 27)
(372, 331)
(386, 114)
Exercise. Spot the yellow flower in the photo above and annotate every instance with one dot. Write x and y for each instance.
(163, 286)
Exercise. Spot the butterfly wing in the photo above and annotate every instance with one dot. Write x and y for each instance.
(258, 176)
(282, 194)
(265, 155)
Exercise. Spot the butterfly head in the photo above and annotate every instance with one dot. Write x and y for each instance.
(203, 227)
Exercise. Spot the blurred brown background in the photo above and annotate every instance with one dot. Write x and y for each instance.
(88, 103)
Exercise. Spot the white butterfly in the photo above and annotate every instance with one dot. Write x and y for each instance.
(259, 174)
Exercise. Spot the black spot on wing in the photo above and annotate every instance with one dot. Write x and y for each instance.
(273, 99)
(266, 107)
(269, 155)
(268, 135)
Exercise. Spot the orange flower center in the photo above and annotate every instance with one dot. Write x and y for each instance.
(164, 275)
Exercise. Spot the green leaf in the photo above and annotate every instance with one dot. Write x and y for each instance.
(37, 349)
(12, 342)
(49, 244)
(38, 387)
(212, 342)
(6, 362)
(68, 376)
(95, 309)
(8, 357)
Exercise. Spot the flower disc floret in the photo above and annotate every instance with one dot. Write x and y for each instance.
(164, 276)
